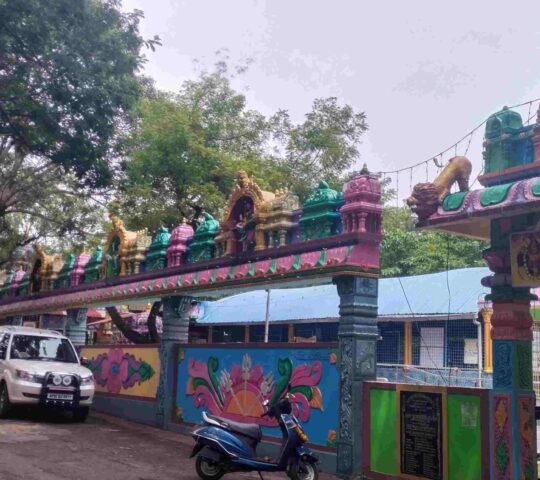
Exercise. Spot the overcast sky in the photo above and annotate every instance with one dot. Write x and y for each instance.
(425, 72)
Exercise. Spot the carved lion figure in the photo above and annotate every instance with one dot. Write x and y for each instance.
(426, 197)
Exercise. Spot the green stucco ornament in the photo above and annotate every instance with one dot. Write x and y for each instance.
(156, 258)
(202, 247)
(321, 217)
(92, 268)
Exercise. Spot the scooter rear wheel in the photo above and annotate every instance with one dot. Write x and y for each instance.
(304, 470)
(208, 470)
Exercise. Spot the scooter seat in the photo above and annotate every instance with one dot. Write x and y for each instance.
(251, 430)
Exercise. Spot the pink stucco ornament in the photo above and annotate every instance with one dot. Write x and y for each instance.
(178, 244)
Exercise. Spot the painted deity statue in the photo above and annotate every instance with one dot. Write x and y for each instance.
(245, 227)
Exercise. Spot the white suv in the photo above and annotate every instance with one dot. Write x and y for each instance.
(41, 367)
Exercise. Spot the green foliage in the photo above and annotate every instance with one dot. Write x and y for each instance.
(184, 154)
(67, 84)
(405, 251)
(39, 204)
(321, 147)
(67, 76)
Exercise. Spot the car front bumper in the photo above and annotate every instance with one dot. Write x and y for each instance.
(23, 392)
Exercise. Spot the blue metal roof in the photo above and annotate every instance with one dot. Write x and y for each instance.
(427, 295)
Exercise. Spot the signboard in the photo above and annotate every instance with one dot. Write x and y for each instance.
(525, 253)
(421, 424)
(470, 351)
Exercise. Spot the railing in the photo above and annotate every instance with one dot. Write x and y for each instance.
(443, 376)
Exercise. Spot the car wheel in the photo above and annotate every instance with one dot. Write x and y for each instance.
(80, 414)
(5, 404)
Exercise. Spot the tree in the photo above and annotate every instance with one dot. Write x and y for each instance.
(323, 146)
(185, 151)
(41, 203)
(68, 81)
(130, 333)
(405, 251)
(67, 73)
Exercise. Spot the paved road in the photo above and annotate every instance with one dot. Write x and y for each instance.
(105, 448)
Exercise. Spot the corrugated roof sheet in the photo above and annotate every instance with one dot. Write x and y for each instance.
(427, 295)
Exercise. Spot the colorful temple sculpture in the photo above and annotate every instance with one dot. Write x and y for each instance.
(253, 220)
(156, 258)
(242, 227)
(321, 213)
(77, 273)
(203, 244)
(125, 251)
(507, 214)
(178, 244)
(64, 276)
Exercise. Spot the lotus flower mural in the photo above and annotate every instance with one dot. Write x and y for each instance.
(117, 370)
(238, 393)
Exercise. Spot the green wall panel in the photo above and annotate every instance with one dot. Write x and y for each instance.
(383, 425)
(464, 437)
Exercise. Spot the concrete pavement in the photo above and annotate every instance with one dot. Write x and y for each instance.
(34, 446)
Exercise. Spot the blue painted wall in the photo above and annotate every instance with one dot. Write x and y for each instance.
(234, 381)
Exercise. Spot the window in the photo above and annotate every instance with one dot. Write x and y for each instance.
(228, 334)
(276, 333)
(32, 347)
(4, 341)
(324, 332)
(391, 343)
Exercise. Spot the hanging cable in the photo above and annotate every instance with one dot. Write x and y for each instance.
(427, 347)
(456, 144)
(469, 144)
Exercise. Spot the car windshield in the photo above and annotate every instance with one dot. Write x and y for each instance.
(33, 347)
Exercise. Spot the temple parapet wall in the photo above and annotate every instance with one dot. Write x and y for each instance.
(260, 234)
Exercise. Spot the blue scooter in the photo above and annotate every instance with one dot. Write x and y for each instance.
(224, 446)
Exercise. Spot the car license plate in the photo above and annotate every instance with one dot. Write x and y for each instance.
(59, 396)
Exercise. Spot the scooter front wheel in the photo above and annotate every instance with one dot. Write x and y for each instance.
(304, 470)
(208, 470)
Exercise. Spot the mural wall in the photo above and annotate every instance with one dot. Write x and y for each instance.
(124, 370)
(233, 382)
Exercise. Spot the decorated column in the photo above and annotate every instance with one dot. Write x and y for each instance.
(176, 312)
(358, 334)
(487, 313)
(76, 325)
(513, 424)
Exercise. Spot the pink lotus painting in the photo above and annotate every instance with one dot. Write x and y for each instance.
(238, 393)
(118, 370)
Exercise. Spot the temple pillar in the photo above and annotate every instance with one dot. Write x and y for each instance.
(175, 330)
(407, 353)
(513, 425)
(358, 334)
(487, 313)
(76, 325)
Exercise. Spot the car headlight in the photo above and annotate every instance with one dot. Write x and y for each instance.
(87, 379)
(27, 376)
